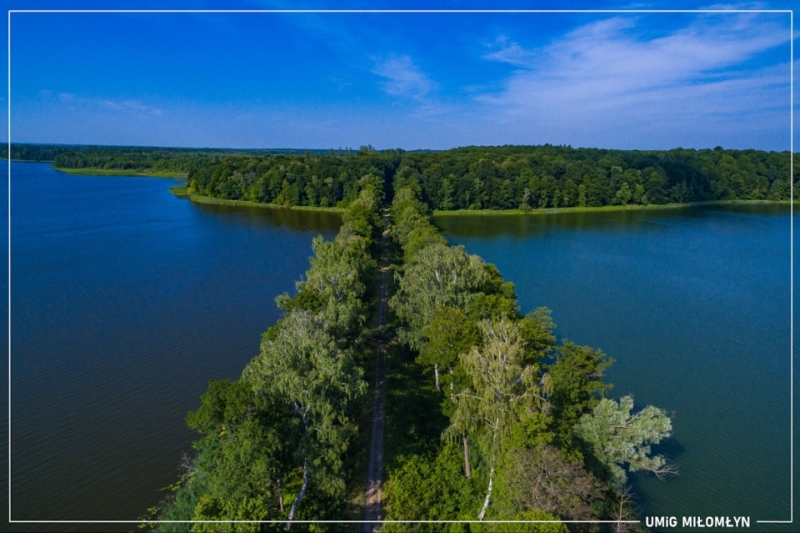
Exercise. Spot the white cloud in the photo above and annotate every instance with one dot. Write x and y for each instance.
(604, 75)
(403, 78)
(120, 106)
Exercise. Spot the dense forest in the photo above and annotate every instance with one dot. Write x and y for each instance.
(138, 158)
(506, 177)
(489, 177)
(488, 416)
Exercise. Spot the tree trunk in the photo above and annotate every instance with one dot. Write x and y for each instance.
(436, 371)
(280, 496)
(299, 498)
(488, 495)
(466, 456)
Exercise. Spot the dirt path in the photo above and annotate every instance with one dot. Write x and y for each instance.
(373, 507)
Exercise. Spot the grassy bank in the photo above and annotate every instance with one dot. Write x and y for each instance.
(120, 172)
(182, 192)
(556, 210)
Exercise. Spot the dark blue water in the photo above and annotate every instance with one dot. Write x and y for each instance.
(125, 302)
(694, 306)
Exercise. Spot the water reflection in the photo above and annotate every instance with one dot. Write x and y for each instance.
(526, 226)
(275, 217)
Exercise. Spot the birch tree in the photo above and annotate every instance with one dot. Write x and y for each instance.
(440, 276)
(503, 387)
(318, 379)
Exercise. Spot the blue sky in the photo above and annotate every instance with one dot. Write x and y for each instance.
(437, 81)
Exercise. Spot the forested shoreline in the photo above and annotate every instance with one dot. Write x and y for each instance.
(506, 177)
(523, 178)
(488, 417)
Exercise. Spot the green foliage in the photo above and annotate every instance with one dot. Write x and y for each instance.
(536, 329)
(240, 428)
(536, 521)
(430, 487)
(476, 177)
(577, 380)
(502, 386)
(618, 438)
(527, 177)
(447, 335)
(307, 369)
(321, 180)
(439, 276)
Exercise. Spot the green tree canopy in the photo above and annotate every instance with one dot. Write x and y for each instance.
(618, 438)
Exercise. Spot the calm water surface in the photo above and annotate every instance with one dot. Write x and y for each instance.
(693, 304)
(125, 302)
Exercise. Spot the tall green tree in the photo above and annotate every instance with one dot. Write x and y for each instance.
(578, 386)
(305, 366)
(449, 334)
(618, 438)
(502, 388)
(439, 276)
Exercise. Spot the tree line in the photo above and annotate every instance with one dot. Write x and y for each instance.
(476, 177)
(511, 425)
(139, 158)
(506, 177)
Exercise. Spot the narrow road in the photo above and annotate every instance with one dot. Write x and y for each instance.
(373, 507)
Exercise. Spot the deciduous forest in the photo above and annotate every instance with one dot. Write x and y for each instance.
(488, 416)
(497, 177)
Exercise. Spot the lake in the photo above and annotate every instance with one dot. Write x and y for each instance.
(693, 304)
(125, 301)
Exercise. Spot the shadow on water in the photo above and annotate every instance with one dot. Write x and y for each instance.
(275, 217)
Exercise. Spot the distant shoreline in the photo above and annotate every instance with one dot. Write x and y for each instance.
(123, 172)
(559, 210)
(182, 192)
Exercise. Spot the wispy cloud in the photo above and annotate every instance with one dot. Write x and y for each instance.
(119, 105)
(512, 53)
(403, 78)
(607, 73)
(130, 105)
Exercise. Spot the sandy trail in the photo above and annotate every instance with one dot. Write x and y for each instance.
(373, 506)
